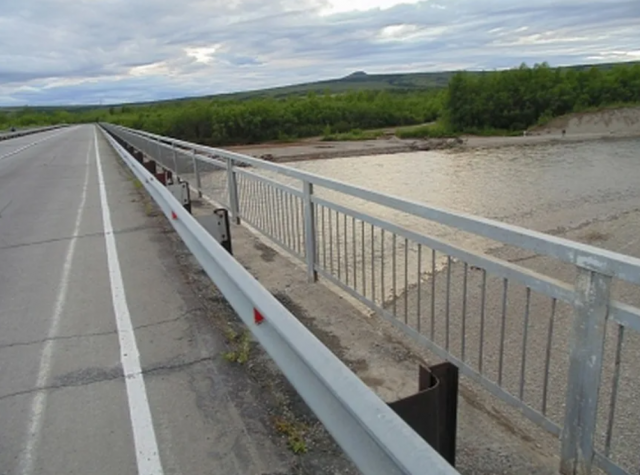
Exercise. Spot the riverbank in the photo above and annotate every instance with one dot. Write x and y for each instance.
(600, 125)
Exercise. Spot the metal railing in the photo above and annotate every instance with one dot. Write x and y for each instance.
(561, 353)
(23, 132)
(374, 437)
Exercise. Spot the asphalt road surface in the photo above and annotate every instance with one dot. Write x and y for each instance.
(105, 365)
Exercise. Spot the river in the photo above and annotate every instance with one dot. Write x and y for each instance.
(549, 188)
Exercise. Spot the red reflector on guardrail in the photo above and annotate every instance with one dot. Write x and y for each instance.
(174, 215)
(257, 317)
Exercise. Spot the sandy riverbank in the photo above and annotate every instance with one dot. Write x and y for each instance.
(609, 124)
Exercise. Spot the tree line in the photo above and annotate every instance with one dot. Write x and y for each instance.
(519, 98)
(507, 101)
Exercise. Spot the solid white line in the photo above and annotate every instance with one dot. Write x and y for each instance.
(39, 401)
(6, 155)
(144, 437)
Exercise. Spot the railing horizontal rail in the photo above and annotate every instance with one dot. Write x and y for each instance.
(24, 132)
(626, 315)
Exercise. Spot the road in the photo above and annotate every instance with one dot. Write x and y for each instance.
(89, 294)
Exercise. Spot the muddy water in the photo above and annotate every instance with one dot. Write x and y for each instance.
(547, 188)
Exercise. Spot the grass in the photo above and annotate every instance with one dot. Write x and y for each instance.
(490, 132)
(353, 135)
(294, 432)
(594, 236)
(434, 131)
(241, 346)
(137, 184)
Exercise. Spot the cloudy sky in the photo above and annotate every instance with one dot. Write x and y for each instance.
(110, 51)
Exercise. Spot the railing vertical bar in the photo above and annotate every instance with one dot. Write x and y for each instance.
(406, 281)
(447, 304)
(346, 252)
(503, 323)
(419, 287)
(272, 209)
(310, 232)
(383, 290)
(338, 245)
(525, 332)
(330, 221)
(547, 361)
(254, 205)
(483, 300)
(433, 295)
(364, 260)
(316, 216)
(614, 391)
(287, 220)
(464, 312)
(292, 221)
(393, 275)
(373, 265)
(355, 255)
(260, 210)
(299, 230)
(324, 240)
(281, 215)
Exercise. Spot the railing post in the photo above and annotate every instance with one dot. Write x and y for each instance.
(233, 191)
(309, 231)
(196, 171)
(590, 307)
(175, 158)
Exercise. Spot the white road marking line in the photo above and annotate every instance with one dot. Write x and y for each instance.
(38, 404)
(7, 155)
(144, 436)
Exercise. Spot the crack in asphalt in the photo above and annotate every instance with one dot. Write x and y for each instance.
(56, 338)
(5, 207)
(88, 376)
(68, 238)
(88, 335)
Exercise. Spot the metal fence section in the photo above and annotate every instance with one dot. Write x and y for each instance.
(30, 131)
(558, 347)
(370, 433)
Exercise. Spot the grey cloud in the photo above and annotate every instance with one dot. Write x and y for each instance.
(58, 51)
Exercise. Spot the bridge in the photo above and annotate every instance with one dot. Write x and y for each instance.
(100, 339)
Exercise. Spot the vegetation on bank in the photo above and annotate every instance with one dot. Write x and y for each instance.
(520, 98)
(494, 103)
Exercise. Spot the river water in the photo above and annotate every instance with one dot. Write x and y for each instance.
(545, 187)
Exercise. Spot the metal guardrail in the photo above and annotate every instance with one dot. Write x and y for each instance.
(22, 133)
(549, 357)
(376, 439)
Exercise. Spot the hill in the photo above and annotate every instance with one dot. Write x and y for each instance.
(361, 80)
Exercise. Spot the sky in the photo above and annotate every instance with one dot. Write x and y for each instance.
(63, 52)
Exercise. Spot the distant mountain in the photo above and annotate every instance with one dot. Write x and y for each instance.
(361, 81)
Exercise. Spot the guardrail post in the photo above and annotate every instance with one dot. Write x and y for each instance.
(196, 171)
(175, 159)
(309, 231)
(590, 307)
(233, 191)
